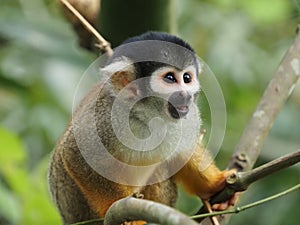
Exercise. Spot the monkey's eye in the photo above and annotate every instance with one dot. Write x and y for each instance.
(170, 78)
(187, 78)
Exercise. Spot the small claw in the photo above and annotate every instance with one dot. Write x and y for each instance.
(207, 205)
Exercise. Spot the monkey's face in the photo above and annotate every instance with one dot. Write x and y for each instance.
(178, 87)
(152, 89)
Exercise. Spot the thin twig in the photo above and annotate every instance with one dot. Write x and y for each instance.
(248, 206)
(102, 43)
(213, 219)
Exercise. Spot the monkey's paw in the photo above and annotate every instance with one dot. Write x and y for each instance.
(225, 205)
(232, 200)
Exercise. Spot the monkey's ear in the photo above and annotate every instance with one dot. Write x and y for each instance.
(120, 74)
(121, 79)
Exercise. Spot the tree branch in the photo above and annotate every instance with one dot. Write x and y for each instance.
(136, 209)
(89, 9)
(102, 43)
(275, 95)
(255, 133)
(241, 180)
(248, 206)
(130, 209)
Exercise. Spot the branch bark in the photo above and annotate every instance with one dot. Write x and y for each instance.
(89, 9)
(241, 180)
(130, 209)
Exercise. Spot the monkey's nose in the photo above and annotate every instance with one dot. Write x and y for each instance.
(179, 104)
(180, 98)
(185, 96)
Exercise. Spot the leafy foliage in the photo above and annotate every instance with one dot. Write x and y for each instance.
(22, 192)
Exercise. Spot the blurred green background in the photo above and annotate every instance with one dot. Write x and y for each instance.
(41, 65)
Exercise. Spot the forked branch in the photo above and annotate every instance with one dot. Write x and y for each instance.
(242, 180)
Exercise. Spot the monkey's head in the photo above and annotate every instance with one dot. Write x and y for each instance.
(159, 71)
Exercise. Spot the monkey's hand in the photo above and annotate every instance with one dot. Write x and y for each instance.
(216, 182)
(221, 185)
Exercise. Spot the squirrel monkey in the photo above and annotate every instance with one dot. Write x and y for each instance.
(137, 131)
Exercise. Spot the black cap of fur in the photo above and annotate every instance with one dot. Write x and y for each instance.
(159, 36)
(136, 50)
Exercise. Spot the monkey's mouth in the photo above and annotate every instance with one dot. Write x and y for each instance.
(178, 104)
(178, 111)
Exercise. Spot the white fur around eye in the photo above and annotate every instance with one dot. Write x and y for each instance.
(194, 86)
(159, 86)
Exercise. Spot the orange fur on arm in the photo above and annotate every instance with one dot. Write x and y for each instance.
(200, 176)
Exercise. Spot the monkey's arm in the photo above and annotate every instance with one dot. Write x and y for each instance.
(200, 176)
